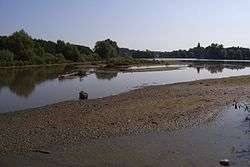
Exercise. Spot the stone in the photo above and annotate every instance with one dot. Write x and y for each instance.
(224, 162)
(83, 95)
(154, 123)
(60, 77)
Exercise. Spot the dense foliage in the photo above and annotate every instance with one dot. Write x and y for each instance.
(107, 49)
(214, 51)
(21, 49)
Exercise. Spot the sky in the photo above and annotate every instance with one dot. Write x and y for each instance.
(162, 25)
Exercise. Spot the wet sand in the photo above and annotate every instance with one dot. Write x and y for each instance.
(225, 137)
(154, 109)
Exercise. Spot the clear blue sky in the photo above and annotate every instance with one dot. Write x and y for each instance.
(138, 24)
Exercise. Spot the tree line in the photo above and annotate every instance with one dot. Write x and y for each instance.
(213, 51)
(20, 48)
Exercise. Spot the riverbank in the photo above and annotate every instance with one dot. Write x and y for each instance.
(153, 108)
(110, 63)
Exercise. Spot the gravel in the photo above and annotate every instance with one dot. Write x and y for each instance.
(153, 108)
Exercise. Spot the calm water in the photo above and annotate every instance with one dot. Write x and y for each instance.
(32, 87)
(194, 59)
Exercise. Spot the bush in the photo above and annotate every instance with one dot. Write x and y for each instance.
(37, 60)
(49, 58)
(6, 56)
(92, 57)
(18, 63)
(96, 57)
(120, 62)
(2, 63)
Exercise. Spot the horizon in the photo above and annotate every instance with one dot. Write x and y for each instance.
(141, 25)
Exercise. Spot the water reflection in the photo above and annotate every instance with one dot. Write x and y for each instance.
(23, 81)
(31, 87)
(106, 75)
(217, 67)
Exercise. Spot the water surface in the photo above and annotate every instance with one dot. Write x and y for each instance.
(32, 87)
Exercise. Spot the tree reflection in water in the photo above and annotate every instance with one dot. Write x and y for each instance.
(23, 81)
(106, 75)
(217, 67)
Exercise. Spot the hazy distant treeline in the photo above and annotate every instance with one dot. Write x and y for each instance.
(214, 51)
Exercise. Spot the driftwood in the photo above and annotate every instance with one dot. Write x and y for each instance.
(65, 76)
(40, 151)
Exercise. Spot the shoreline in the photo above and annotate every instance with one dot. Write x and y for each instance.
(45, 65)
(148, 109)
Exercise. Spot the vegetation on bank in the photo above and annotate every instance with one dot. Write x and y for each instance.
(21, 49)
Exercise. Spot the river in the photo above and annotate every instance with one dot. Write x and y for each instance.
(23, 88)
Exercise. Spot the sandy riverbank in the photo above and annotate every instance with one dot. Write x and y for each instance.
(153, 108)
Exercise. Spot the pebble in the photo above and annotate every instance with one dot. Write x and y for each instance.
(224, 162)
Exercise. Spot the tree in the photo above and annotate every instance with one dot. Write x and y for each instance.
(71, 53)
(107, 49)
(197, 52)
(215, 51)
(48, 46)
(3, 42)
(25, 50)
(6, 56)
(21, 44)
(60, 46)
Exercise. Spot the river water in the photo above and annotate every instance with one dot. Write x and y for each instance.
(33, 87)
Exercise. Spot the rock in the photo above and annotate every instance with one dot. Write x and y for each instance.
(60, 77)
(224, 162)
(81, 73)
(154, 123)
(83, 95)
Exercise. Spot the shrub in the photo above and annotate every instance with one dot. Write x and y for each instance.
(37, 60)
(6, 56)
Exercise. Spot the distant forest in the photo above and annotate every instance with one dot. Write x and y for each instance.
(20, 49)
(214, 51)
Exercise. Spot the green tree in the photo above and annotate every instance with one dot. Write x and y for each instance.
(6, 56)
(22, 45)
(107, 49)
(72, 53)
(215, 51)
